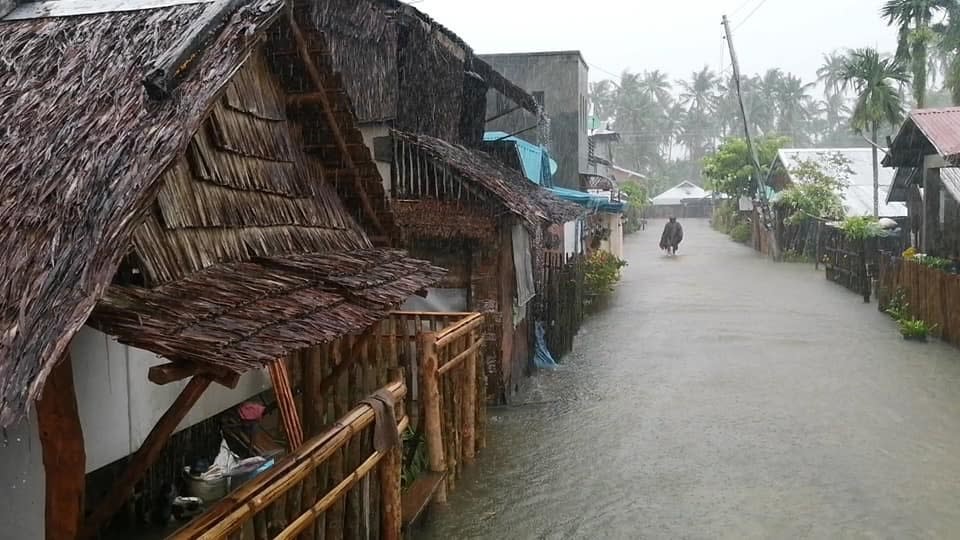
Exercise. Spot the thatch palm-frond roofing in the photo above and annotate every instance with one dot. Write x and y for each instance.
(241, 316)
(485, 175)
(201, 191)
(82, 148)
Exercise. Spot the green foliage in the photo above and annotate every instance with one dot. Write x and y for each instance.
(792, 256)
(724, 216)
(915, 328)
(415, 457)
(876, 81)
(636, 194)
(729, 170)
(741, 233)
(602, 272)
(938, 263)
(817, 188)
(862, 228)
(897, 307)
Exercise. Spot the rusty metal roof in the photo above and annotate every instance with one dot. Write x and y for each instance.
(926, 131)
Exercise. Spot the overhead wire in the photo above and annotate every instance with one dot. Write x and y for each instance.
(747, 18)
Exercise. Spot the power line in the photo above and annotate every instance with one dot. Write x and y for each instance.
(741, 6)
(747, 18)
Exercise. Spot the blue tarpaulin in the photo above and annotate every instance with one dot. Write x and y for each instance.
(532, 157)
(589, 200)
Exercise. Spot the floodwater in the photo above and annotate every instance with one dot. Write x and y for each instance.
(721, 395)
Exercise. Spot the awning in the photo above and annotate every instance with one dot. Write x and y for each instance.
(241, 316)
(592, 201)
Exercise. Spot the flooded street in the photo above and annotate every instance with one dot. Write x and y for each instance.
(722, 396)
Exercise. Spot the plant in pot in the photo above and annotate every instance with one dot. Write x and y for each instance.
(914, 329)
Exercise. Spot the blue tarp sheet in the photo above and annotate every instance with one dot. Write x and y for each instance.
(532, 158)
(588, 200)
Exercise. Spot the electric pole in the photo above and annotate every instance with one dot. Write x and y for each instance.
(765, 212)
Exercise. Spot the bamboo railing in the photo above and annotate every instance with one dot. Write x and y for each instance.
(280, 504)
(453, 384)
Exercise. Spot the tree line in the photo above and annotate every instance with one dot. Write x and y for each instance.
(669, 125)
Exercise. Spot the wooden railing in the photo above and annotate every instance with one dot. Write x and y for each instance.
(289, 502)
(453, 383)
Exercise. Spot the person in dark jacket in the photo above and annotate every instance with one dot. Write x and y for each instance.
(671, 237)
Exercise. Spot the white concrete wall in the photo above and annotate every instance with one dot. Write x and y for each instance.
(370, 132)
(118, 407)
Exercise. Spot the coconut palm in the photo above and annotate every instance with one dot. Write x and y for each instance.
(794, 106)
(948, 48)
(829, 72)
(913, 19)
(876, 80)
(657, 84)
(603, 97)
(699, 98)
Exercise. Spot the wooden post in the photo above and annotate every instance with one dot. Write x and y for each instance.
(469, 401)
(64, 457)
(145, 456)
(288, 407)
(430, 396)
(391, 520)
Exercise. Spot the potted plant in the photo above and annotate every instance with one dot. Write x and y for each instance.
(914, 329)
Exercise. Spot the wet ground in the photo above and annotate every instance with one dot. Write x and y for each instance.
(720, 395)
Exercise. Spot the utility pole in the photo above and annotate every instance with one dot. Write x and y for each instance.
(765, 212)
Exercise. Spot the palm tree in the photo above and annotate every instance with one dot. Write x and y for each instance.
(829, 72)
(656, 83)
(876, 79)
(948, 45)
(794, 107)
(913, 20)
(699, 97)
(603, 98)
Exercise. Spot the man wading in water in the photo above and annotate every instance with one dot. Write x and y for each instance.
(672, 236)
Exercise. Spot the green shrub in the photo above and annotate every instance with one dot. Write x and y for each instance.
(602, 272)
(862, 228)
(938, 263)
(414, 457)
(912, 328)
(897, 307)
(741, 233)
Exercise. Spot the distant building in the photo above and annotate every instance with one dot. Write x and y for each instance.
(684, 200)
(558, 81)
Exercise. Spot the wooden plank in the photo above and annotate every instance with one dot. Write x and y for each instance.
(455, 361)
(164, 374)
(470, 399)
(72, 8)
(64, 457)
(145, 456)
(417, 497)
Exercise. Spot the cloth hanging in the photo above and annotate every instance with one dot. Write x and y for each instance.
(523, 266)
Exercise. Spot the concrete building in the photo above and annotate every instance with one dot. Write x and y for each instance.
(558, 80)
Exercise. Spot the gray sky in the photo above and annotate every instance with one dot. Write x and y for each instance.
(677, 36)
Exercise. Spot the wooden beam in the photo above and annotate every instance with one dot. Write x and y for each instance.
(145, 456)
(331, 380)
(288, 406)
(177, 371)
(64, 457)
(330, 115)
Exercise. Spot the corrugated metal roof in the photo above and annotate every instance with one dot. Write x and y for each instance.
(679, 193)
(941, 127)
(858, 196)
(950, 178)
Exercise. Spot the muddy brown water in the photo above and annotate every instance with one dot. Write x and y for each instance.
(720, 395)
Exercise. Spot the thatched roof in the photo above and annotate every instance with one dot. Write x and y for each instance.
(462, 174)
(240, 316)
(198, 192)
(400, 65)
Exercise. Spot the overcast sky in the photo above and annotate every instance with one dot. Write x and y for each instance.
(677, 36)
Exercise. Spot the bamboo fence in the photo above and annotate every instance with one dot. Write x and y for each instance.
(930, 294)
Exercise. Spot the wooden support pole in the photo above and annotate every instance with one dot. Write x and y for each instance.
(430, 396)
(390, 517)
(332, 123)
(288, 407)
(469, 402)
(145, 456)
(64, 457)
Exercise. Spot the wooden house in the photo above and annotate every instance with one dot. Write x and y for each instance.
(420, 94)
(926, 154)
(191, 181)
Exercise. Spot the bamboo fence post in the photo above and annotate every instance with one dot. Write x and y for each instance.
(447, 411)
(334, 525)
(430, 396)
(390, 483)
(470, 401)
(355, 448)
